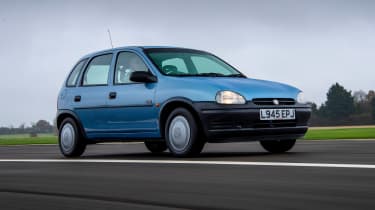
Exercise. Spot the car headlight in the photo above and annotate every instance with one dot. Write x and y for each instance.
(301, 98)
(229, 97)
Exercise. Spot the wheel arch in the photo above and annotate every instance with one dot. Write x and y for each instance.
(65, 114)
(172, 104)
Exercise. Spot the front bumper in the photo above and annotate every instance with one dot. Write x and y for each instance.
(225, 123)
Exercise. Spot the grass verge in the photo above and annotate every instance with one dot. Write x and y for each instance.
(340, 133)
(25, 139)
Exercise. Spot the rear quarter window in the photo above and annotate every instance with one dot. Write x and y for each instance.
(73, 76)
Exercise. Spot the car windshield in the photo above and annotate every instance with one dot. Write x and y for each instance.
(185, 62)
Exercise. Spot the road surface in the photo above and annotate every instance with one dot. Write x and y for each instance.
(225, 176)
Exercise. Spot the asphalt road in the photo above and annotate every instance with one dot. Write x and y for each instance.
(109, 185)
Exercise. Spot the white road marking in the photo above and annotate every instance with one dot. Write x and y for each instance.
(231, 163)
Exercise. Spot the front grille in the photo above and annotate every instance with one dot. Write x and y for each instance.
(270, 101)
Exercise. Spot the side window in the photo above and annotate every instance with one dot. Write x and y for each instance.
(97, 71)
(73, 77)
(127, 62)
(174, 66)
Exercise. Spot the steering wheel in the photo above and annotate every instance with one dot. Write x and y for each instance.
(170, 69)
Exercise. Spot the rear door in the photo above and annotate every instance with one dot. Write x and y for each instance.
(90, 97)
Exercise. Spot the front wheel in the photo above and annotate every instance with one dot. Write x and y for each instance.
(71, 141)
(278, 146)
(181, 133)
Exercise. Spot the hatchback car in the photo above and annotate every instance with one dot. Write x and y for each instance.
(174, 98)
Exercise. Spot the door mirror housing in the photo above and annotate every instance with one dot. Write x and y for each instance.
(143, 76)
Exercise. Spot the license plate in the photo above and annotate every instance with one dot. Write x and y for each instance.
(277, 114)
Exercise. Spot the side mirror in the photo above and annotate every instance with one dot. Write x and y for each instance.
(142, 76)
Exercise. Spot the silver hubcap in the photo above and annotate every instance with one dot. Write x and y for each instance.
(179, 133)
(67, 137)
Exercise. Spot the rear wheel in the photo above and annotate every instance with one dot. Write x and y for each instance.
(156, 147)
(181, 133)
(278, 146)
(71, 140)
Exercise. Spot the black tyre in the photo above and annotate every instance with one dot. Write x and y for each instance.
(181, 134)
(278, 146)
(156, 147)
(71, 140)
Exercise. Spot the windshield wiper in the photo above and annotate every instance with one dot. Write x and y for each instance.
(210, 74)
(236, 75)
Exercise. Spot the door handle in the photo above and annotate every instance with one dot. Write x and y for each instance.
(77, 98)
(112, 95)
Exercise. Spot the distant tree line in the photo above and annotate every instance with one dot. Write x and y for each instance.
(343, 107)
(42, 126)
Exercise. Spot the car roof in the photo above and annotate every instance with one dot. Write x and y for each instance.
(130, 48)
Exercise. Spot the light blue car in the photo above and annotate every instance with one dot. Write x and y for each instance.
(174, 98)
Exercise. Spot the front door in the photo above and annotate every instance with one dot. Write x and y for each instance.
(131, 105)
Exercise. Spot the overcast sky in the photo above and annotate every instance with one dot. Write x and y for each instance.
(309, 44)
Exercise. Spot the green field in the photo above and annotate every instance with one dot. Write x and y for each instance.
(341, 133)
(23, 139)
(312, 134)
